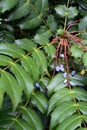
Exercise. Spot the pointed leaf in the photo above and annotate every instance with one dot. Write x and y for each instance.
(58, 79)
(11, 87)
(39, 100)
(20, 124)
(50, 50)
(83, 24)
(26, 44)
(31, 23)
(5, 60)
(70, 123)
(80, 94)
(79, 80)
(22, 9)
(72, 12)
(61, 95)
(11, 50)
(63, 110)
(61, 10)
(7, 5)
(23, 78)
(31, 67)
(41, 39)
(40, 59)
(52, 22)
(31, 117)
(76, 51)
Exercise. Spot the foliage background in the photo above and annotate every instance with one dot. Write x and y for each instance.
(34, 94)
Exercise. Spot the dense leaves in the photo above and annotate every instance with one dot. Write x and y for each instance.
(43, 65)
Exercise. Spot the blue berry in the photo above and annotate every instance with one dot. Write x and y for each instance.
(61, 55)
(73, 72)
(57, 68)
(62, 68)
(65, 75)
(72, 83)
(36, 85)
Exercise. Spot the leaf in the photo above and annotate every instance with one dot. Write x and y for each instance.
(39, 100)
(41, 6)
(63, 110)
(20, 124)
(54, 83)
(26, 44)
(24, 80)
(83, 24)
(61, 95)
(5, 60)
(41, 39)
(11, 87)
(11, 50)
(79, 94)
(50, 50)
(65, 94)
(7, 5)
(31, 67)
(31, 23)
(79, 80)
(40, 59)
(70, 123)
(22, 9)
(76, 51)
(84, 58)
(51, 22)
(61, 10)
(31, 117)
(72, 12)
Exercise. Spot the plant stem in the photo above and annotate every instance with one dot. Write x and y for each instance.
(66, 16)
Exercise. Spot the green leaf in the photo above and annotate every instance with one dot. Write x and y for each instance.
(22, 9)
(61, 10)
(50, 50)
(26, 44)
(31, 117)
(11, 87)
(5, 60)
(83, 107)
(70, 123)
(39, 100)
(29, 23)
(41, 39)
(72, 12)
(7, 5)
(51, 22)
(83, 24)
(41, 6)
(84, 58)
(76, 51)
(21, 124)
(79, 94)
(23, 78)
(79, 80)
(40, 59)
(61, 95)
(63, 110)
(55, 83)
(31, 67)
(11, 50)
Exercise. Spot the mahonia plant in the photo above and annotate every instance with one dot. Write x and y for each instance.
(43, 65)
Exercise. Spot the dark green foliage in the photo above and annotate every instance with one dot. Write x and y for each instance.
(43, 65)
